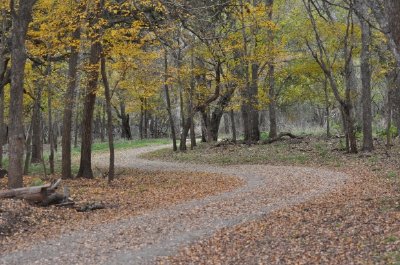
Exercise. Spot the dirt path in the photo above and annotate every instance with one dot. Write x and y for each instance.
(141, 239)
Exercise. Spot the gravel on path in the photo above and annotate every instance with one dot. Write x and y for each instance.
(142, 239)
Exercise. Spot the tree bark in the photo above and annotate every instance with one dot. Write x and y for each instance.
(69, 98)
(109, 119)
(37, 125)
(233, 123)
(168, 101)
(366, 100)
(21, 18)
(327, 111)
(3, 70)
(51, 133)
(85, 167)
(28, 148)
(273, 131)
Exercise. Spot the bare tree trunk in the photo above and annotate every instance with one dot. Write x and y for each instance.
(77, 128)
(28, 147)
(366, 100)
(51, 134)
(3, 69)
(69, 107)
(182, 144)
(109, 119)
(37, 126)
(141, 119)
(389, 116)
(2, 125)
(168, 101)
(146, 119)
(21, 18)
(85, 167)
(273, 130)
(327, 112)
(232, 114)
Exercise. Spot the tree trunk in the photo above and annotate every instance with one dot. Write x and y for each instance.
(168, 101)
(51, 134)
(37, 125)
(141, 119)
(21, 18)
(327, 112)
(389, 113)
(273, 131)
(109, 119)
(125, 126)
(77, 128)
(69, 98)
(85, 167)
(145, 119)
(3, 69)
(366, 100)
(2, 125)
(28, 147)
(233, 123)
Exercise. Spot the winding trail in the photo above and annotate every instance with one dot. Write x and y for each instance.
(141, 239)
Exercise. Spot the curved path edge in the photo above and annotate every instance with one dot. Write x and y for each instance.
(141, 239)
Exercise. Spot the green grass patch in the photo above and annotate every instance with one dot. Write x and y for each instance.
(124, 144)
(392, 175)
(97, 147)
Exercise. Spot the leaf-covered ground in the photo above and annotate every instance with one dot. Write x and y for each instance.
(22, 224)
(358, 225)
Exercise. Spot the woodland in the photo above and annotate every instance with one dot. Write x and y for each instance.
(113, 100)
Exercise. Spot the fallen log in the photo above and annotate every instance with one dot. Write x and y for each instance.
(37, 194)
(280, 136)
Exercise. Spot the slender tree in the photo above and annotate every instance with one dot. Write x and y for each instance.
(21, 16)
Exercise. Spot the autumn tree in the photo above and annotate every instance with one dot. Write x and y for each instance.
(21, 12)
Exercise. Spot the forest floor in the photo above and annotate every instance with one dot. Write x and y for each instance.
(358, 224)
(162, 232)
(291, 202)
(132, 193)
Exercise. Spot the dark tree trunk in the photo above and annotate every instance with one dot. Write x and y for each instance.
(250, 112)
(109, 119)
(125, 126)
(389, 108)
(69, 108)
(219, 112)
(76, 127)
(2, 126)
(146, 119)
(168, 101)
(190, 105)
(233, 123)
(85, 167)
(28, 147)
(273, 130)
(37, 125)
(51, 133)
(226, 124)
(216, 116)
(327, 112)
(99, 122)
(21, 17)
(4, 74)
(366, 100)
(141, 119)
(203, 131)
